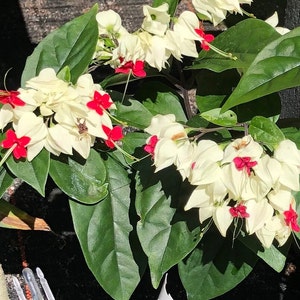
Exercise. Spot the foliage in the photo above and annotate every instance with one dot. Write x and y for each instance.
(126, 214)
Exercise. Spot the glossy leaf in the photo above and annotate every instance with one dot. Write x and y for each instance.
(206, 103)
(71, 45)
(276, 67)
(14, 218)
(264, 130)
(259, 34)
(215, 268)
(228, 118)
(166, 103)
(106, 236)
(84, 182)
(164, 240)
(135, 114)
(35, 173)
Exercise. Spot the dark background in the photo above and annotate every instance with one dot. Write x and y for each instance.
(58, 253)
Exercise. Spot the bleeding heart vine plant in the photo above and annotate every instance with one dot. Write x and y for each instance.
(157, 177)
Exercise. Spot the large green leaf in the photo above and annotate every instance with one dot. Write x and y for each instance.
(165, 240)
(135, 114)
(233, 40)
(215, 268)
(228, 118)
(35, 173)
(106, 236)
(82, 181)
(276, 67)
(264, 130)
(71, 45)
(166, 103)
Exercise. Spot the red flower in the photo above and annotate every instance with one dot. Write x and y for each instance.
(239, 211)
(100, 102)
(207, 38)
(19, 144)
(244, 163)
(136, 68)
(113, 135)
(11, 97)
(290, 217)
(151, 144)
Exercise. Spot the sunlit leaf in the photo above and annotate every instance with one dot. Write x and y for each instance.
(276, 67)
(71, 45)
(107, 238)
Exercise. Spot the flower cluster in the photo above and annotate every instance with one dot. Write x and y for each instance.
(51, 113)
(239, 182)
(154, 43)
(216, 10)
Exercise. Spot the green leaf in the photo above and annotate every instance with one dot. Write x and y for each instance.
(172, 5)
(259, 34)
(106, 236)
(276, 67)
(265, 131)
(166, 103)
(205, 103)
(71, 45)
(164, 240)
(215, 268)
(84, 182)
(275, 257)
(65, 74)
(6, 181)
(35, 173)
(135, 114)
(268, 106)
(292, 134)
(228, 118)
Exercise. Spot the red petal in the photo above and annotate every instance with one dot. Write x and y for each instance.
(116, 133)
(19, 152)
(24, 141)
(106, 130)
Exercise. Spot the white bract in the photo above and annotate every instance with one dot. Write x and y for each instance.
(156, 19)
(216, 10)
(239, 182)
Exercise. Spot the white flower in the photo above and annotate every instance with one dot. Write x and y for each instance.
(289, 157)
(110, 23)
(156, 19)
(158, 122)
(274, 228)
(273, 21)
(242, 147)
(6, 115)
(204, 165)
(59, 140)
(34, 127)
(216, 10)
(260, 212)
(129, 49)
(186, 24)
(154, 49)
